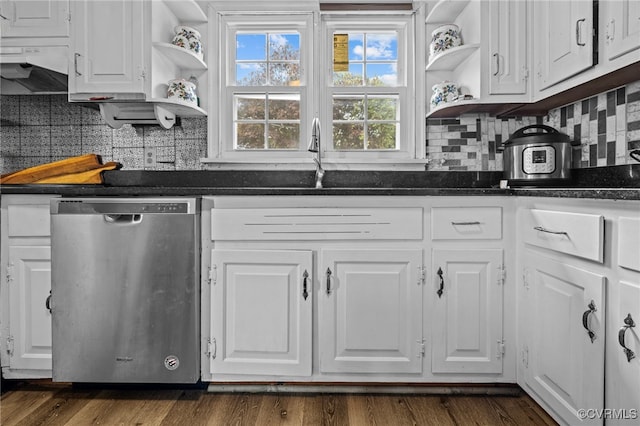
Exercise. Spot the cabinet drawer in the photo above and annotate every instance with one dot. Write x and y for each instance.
(29, 220)
(466, 223)
(628, 243)
(576, 234)
(317, 224)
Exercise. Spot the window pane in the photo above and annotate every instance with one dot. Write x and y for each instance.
(356, 47)
(284, 46)
(382, 75)
(251, 74)
(251, 47)
(282, 108)
(382, 46)
(381, 136)
(348, 136)
(249, 136)
(379, 108)
(348, 109)
(284, 136)
(284, 74)
(352, 78)
(250, 107)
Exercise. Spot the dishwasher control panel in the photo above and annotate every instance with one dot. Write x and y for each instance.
(122, 206)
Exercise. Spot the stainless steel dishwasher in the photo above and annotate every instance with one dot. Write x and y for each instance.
(125, 290)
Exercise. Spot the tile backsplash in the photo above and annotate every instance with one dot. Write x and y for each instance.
(607, 126)
(37, 129)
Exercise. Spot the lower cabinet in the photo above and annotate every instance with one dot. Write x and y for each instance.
(467, 315)
(262, 302)
(564, 353)
(370, 311)
(25, 318)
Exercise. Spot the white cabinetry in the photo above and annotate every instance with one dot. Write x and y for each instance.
(621, 21)
(623, 325)
(263, 305)
(121, 57)
(570, 350)
(565, 340)
(42, 18)
(370, 311)
(468, 290)
(562, 40)
(25, 328)
(275, 264)
(107, 47)
(504, 60)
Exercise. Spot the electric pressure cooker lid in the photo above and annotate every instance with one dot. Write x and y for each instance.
(545, 135)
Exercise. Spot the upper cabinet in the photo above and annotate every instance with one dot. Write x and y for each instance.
(122, 57)
(46, 18)
(504, 58)
(490, 66)
(563, 40)
(621, 28)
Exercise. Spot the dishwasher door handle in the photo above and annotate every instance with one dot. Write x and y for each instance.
(123, 219)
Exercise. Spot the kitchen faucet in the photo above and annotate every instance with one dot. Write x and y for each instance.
(314, 146)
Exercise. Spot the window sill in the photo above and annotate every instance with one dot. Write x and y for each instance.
(308, 163)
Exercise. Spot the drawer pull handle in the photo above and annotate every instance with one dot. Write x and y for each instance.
(585, 320)
(579, 32)
(541, 229)
(465, 223)
(328, 281)
(628, 323)
(441, 289)
(305, 277)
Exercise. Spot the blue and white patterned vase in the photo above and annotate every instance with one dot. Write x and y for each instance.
(183, 91)
(188, 38)
(443, 38)
(444, 92)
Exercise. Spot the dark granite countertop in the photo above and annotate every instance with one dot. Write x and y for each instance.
(617, 182)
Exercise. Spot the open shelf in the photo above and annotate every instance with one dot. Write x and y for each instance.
(180, 56)
(187, 10)
(181, 109)
(451, 58)
(446, 11)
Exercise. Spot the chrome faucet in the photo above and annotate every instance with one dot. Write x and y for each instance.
(314, 146)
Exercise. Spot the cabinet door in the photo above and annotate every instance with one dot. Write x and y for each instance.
(622, 27)
(467, 313)
(563, 42)
(623, 371)
(261, 312)
(370, 311)
(507, 47)
(565, 365)
(29, 277)
(107, 47)
(40, 18)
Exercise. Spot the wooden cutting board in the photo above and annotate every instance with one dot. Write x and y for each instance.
(81, 163)
(90, 176)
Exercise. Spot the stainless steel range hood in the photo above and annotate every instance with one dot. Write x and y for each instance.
(33, 70)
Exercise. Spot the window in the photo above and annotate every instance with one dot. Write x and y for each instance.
(270, 91)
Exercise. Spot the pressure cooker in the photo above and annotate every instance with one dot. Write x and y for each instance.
(537, 155)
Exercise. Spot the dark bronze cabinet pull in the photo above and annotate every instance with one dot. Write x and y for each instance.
(305, 277)
(585, 320)
(628, 323)
(328, 281)
(441, 289)
(47, 303)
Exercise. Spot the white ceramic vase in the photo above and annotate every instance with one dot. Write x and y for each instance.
(443, 38)
(188, 38)
(444, 92)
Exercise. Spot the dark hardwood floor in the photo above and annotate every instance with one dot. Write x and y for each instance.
(47, 403)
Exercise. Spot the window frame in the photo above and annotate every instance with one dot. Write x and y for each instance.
(315, 81)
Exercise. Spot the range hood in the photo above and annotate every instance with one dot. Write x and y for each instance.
(33, 70)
